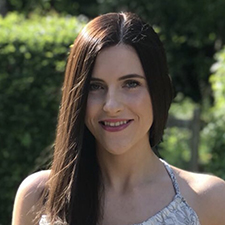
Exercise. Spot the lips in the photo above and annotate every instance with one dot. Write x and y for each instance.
(115, 124)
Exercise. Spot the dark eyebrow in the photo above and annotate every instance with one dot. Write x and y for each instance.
(131, 76)
(121, 78)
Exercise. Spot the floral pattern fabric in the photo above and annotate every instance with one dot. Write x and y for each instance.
(178, 212)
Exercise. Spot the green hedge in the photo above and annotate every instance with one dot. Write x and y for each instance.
(33, 53)
(214, 132)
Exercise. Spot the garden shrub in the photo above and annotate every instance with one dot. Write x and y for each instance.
(214, 133)
(33, 52)
(176, 145)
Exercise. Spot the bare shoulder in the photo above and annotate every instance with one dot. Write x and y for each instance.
(201, 183)
(26, 203)
(206, 194)
(35, 181)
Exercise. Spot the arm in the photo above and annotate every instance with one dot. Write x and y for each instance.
(205, 194)
(27, 205)
(214, 200)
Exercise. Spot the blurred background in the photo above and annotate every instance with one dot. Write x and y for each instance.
(35, 38)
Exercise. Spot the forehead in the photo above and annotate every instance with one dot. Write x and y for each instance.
(118, 60)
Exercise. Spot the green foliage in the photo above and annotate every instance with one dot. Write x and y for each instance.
(87, 7)
(218, 82)
(214, 133)
(191, 31)
(32, 55)
(176, 148)
(32, 59)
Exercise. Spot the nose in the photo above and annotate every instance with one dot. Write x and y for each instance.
(113, 103)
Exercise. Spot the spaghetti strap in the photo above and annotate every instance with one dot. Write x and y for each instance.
(172, 176)
(176, 212)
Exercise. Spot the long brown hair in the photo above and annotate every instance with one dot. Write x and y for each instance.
(75, 188)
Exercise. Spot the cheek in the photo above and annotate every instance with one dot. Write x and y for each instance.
(141, 100)
(143, 103)
(92, 108)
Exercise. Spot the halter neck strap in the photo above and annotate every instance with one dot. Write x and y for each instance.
(172, 176)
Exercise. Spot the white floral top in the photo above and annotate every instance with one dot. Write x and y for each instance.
(178, 212)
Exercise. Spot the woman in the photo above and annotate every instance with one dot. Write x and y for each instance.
(116, 97)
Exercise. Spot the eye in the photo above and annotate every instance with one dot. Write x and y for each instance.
(132, 84)
(95, 87)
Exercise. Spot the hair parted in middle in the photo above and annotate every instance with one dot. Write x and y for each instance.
(75, 189)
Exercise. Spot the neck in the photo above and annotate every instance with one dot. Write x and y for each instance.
(128, 170)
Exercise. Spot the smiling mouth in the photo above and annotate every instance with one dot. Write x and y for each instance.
(115, 124)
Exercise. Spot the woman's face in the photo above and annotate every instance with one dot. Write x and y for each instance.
(119, 110)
